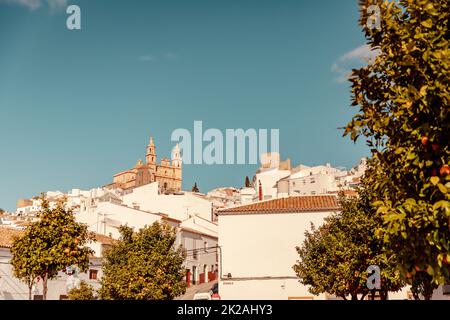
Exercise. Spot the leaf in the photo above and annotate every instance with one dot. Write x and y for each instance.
(427, 23)
(442, 188)
(434, 180)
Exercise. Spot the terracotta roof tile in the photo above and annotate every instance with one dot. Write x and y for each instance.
(287, 205)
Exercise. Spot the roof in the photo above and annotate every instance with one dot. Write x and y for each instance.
(191, 230)
(123, 172)
(7, 236)
(346, 192)
(287, 205)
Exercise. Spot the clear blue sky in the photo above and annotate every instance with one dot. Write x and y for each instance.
(78, 106)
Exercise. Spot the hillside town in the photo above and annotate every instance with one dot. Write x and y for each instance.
(240, 239)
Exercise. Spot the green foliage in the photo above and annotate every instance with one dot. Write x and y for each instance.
(144, 266)
(403, 100)
(247, 182)
(195, 188)
(334, 257)
(53, 243)
(84, 292)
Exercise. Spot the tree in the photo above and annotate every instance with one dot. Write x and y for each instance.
(247, 182)
(2, 211)
(84, 292)
(195, 188)
(24, 263)
(144, 266)
(53, 243)
(403, 99)
(334, 257)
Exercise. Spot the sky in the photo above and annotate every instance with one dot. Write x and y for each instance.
(77, 106)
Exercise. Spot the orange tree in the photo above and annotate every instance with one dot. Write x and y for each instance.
(334, 257)
(144, 265)
(51, 244)
(84, 292)
(403, 99)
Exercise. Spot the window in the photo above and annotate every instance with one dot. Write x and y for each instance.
(312, 180)
(93, 274)
(194, 250)
(205, 246)
(217, 253)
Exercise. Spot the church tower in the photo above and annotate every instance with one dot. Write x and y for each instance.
(176, 157)
(151, 152)
(177, 165)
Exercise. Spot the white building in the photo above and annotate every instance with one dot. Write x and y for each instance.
(258, 249)
(258, 244)
(188, 213)
(179, 206)
(224, 197)
(199, 237)
(13, 289)
(248, 195)
(266, 182)
(310, 181)
(275, 179)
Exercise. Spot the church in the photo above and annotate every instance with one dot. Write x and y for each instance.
(168, 173)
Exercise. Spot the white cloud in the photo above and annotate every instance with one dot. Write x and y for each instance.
(343, 66)
(57, 5)
(29, 4)
(363, 52)
(53, 5)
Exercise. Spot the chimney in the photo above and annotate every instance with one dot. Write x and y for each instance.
(260, 192)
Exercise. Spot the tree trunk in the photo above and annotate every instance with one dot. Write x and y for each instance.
(30, 289)
(44, 287)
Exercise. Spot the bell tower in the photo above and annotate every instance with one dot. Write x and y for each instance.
(177, 165)
(176, 157)
(151, 152)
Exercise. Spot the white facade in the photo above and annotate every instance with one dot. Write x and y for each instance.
(12, 288)
(197, 235)
(258, 253)
(199, 238)
(275, 179)
(268, 180)
(106, 218)
(248, 195)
